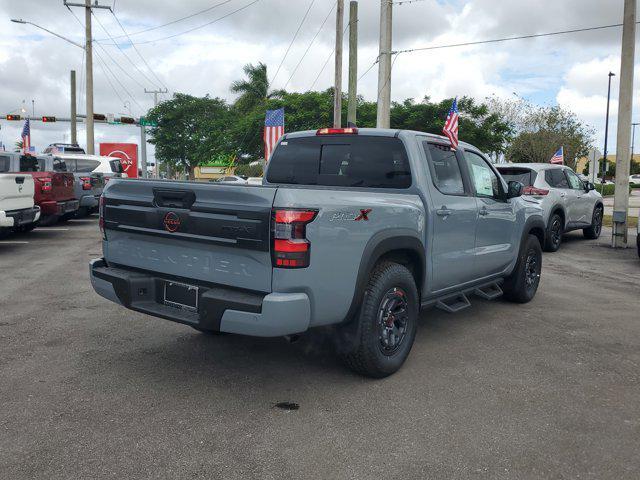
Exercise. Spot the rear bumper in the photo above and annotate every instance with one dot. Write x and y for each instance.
(59, 208)
(16, 218)
(219, 308)
(90, 201)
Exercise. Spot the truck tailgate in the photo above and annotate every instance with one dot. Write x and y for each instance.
(199, 232)
(16, 191)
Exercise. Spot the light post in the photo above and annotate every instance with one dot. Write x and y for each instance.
(606, 133)
(24, 22)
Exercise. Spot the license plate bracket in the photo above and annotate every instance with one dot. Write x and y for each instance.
(181, 296)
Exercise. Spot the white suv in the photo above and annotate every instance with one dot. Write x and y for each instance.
(568, 202)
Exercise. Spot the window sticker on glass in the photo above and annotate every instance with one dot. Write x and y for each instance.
(482, 180)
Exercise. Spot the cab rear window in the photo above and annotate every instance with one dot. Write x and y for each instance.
(345, 161)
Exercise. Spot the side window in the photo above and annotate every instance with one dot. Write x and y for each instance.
(71, 165)
(574, 181)
(85, 165)
(556, 178)
(59, 165)
(445, 169)
(485, 181)
(4, 163)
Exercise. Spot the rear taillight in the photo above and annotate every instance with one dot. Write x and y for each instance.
(291, 249)
(101, 219)
(45, 184)
(534, 191)
(86, 183)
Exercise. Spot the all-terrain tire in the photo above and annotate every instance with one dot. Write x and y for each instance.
(521, 286)
(553, 234)
(595, 229)
(389, 306)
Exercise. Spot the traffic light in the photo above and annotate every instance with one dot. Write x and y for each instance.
(99, 116)
(13, 117)
(48, 119)
(127, 120)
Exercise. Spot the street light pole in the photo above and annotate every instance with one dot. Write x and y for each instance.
(606, 132)
(633, 138)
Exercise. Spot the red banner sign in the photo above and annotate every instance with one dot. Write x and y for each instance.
(126, 152)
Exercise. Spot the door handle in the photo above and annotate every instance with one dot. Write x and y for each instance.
(483, 212)
(443, 212)
(562, 194)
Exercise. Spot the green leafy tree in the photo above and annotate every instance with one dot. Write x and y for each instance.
(540, 131)
(190, 131)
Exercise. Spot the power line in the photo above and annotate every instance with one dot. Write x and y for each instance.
(310, 44)
(122, 50)
(324, 65)
(507, 39)
(139, 54)
(403, 2)
(194, 28)
(168, 23)
(102, 66)
(118, 80)
(295, 35)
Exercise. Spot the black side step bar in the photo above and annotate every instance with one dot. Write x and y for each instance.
(459, 301)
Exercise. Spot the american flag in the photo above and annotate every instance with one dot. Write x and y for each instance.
(451, 125)
(273, 130)
(558, 157)
(26, 137)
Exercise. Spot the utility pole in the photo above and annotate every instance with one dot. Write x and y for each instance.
(74, 129)
(89, 67)
(625, 106)
(353, 63)
(633, 138)
(337, 101)
(143, 135)
(384, 65)
(155, 94)
(606, 132)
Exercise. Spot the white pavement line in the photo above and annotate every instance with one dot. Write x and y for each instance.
(12, 242)
(49, 229)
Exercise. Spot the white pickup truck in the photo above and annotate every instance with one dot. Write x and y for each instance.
(17, 209)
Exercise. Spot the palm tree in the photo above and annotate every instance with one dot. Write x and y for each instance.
(255, 89)
(18, 146)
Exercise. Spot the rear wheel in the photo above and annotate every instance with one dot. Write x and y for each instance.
(595, 229)
(27, 228)
(521, 286)
(553, 235)
(5, 232)
(386, 323)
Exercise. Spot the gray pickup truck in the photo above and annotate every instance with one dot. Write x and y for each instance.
(357, 229)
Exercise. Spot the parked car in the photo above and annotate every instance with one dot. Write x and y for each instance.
(353, 228)
(634, 179)
(89, 183)
(54, 192)
(568, 202)
(55, 148)
(232, 179)
(17, 209)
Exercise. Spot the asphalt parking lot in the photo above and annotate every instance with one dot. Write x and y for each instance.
(550, 389)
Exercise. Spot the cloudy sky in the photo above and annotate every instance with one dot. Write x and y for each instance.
(204, 53)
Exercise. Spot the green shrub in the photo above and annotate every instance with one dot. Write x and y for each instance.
(249, 170)
(609, 189)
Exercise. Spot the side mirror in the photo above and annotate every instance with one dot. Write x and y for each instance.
(514, 189)
(588, 186)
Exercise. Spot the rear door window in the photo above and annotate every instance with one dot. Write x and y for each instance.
(555, 177)
(523, 175)
(445, 169)
(348, 161)
(574, 181)
(86, 165)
